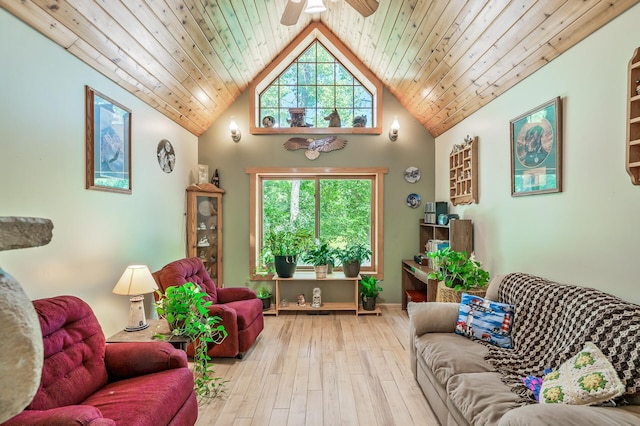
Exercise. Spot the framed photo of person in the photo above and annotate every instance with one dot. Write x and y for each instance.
(536, 150)
(108, 143)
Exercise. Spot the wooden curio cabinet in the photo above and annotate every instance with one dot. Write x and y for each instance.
(204, 227)
(633, 119)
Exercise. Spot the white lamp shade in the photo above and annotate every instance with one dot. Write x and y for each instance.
(315, 6)
(136, 279)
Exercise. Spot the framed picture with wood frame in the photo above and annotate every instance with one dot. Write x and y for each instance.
(536, 150)
(108, 143)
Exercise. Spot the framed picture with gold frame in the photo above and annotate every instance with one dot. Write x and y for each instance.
(108, 143)
(536, 150)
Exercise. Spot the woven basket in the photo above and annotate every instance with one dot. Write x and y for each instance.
(446, 294)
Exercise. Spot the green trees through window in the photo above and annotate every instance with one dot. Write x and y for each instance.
(340, 207)
(318, 82)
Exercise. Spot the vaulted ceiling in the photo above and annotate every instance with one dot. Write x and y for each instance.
(191, 59)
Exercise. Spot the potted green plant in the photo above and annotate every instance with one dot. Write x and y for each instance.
(457, 271)
(185, 309)
(369, 290)
(352, 257)
(284, 245)
(320, 257)
(263, 292)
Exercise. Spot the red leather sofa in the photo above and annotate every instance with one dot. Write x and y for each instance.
(238, 307)
(86, 381)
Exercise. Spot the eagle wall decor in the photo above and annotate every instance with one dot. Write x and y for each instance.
(315, 146)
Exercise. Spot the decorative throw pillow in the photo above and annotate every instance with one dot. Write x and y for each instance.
(587, 378)
(485, 320)
(534, 383)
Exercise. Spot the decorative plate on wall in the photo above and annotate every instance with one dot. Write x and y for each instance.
(166, 156)
(412, 174)
(413, 200)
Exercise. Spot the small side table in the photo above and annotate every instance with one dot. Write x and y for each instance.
(156, 326)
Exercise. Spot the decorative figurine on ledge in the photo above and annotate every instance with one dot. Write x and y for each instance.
(317, 298)
(297, 118)
(360, 121)
(301, 301)
(334, 119)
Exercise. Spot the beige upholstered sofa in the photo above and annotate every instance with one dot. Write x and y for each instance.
(465, 381)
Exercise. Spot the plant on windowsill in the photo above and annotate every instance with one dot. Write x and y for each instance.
(352, 257)
(284, 245)
(369, 291)
(320, 257)
(185, 309)
(458, 272)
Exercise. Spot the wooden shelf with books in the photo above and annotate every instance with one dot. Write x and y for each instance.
(416, 286)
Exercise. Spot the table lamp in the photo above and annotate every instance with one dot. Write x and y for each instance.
(135, 282)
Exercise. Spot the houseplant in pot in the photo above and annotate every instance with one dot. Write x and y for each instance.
(185, 309)
(369, 290)
(320, 257)
(457, 273)
(285, 245)
(352, 257)
(263, 292)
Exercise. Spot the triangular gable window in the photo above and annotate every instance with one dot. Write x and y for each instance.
(315, 87)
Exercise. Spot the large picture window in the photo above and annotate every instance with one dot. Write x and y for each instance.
(338, 206)
(311, 83)
(318, 84)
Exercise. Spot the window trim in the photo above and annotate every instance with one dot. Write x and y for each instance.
(315, 31)
(376, 174)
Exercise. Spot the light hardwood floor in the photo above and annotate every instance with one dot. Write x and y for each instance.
(336, 369)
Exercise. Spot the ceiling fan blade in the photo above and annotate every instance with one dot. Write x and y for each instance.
(364, 7)
(292, 12)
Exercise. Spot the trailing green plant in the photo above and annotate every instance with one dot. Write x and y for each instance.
(355, 252)
(185, 309)
(369, 287)
(457, 269)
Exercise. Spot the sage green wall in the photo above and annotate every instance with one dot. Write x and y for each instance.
(414, 147)
(42, 138)
(588, 234)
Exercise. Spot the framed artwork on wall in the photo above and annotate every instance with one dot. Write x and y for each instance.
(536, 150)
(108, 143)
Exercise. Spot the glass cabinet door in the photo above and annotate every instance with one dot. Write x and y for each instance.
(207, 234)
(204, 228)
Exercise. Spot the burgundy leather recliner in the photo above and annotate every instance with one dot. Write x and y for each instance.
(86, 381)
(238, 307)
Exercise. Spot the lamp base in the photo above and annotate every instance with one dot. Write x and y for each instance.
(137, 318)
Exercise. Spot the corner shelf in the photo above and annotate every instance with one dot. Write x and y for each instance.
(633, 119)
(463, 174)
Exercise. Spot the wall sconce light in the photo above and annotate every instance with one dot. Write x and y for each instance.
(315, 6)
(135, 282)
(393, 132)
(235, 132)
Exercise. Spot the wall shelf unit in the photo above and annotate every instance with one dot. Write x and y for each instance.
(463, 173)
(416, 286)
(633, 119)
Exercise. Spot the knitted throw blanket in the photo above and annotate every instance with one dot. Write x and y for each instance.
(552, 322)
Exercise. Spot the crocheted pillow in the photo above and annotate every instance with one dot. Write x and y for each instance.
(485, 320)
(587, 378)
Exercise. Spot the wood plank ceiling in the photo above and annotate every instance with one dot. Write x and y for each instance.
(190, 59)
